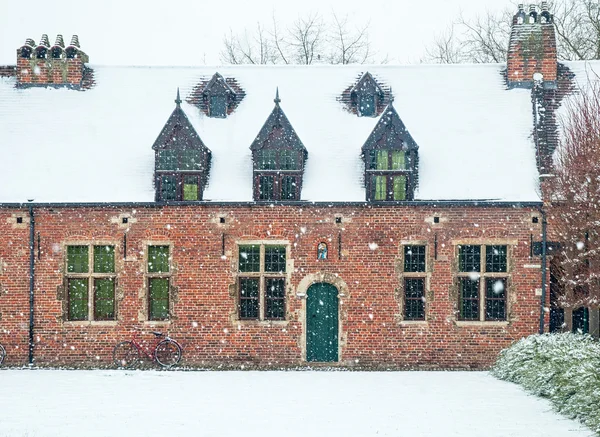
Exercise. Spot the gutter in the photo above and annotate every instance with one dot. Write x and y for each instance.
(363, 204)
(544, 267)
(31, 279)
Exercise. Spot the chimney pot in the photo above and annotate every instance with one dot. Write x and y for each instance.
(44, 41)
(59, 41)
(75, 41)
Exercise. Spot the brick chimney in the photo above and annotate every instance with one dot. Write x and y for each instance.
(43, 65)
(532, 48)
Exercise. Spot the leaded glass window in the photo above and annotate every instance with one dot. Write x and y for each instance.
(158, 268)
(266, 188)
(483, 282)
(278, 174)
(414, 299)
(414, 258)
(388, 175)
(469, 299)
(414, 282)
(179, 174)
(262, 281)
(90, 277)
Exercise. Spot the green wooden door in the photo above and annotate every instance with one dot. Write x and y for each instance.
(322, 323)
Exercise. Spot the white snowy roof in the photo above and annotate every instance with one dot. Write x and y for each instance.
(59, 145)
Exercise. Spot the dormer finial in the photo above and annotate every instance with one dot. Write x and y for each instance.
(178, 99)
(391, 96)
(277, 99)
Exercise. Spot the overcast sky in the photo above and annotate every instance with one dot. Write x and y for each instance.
(190, 32)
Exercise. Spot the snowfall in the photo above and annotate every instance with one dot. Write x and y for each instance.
(35, 403)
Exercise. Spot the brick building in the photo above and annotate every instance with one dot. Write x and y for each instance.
(366, 216)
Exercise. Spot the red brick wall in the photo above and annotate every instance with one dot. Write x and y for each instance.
(532, 49)
(205, 310)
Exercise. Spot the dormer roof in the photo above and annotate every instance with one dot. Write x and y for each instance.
(217, 85)
(277, 131)
(390, 133)
(178, 132)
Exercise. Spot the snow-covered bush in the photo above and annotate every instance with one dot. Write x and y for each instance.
(562, 367)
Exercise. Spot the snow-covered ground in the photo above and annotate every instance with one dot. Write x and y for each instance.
(355, 404)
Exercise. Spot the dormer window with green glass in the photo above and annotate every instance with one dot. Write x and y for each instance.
(278, 156)
(391, 158)
(181, 160)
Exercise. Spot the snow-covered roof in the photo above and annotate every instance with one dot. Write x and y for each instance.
(60, 145)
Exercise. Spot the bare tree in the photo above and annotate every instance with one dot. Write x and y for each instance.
(485, 37)
(255, 48)
(349, 46)
(575, 211)
(307, 40)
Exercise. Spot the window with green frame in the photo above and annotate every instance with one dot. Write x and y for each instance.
(90, 281)
(158, 271)
(261, 281)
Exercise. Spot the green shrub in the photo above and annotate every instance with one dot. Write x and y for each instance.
(564, 368)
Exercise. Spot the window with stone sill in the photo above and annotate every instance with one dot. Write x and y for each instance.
(158, 276)
(261, 282)
(482, 280)
(90, 282)
(414, 277)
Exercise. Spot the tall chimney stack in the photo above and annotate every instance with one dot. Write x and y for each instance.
(43, 65)
(532, 48)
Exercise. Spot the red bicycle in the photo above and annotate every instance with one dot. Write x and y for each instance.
(166, 352)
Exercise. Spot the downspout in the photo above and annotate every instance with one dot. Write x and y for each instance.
(31, 279)
(544, 262)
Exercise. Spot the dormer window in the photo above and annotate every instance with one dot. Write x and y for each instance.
(181, 160)
(391, 158)
(366, 98)
(218, 96)
(278, 156)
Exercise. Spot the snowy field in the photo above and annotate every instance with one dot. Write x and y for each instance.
(351, 404)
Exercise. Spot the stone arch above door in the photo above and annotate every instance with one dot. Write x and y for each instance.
(313, 278)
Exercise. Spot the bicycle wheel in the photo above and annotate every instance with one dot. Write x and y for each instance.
(2, 354)
(126, 355)
(167, 353)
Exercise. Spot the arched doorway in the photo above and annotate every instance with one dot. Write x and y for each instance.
(322, 318)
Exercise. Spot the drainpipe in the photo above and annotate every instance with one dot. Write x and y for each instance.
(31, 279)
(544, 262)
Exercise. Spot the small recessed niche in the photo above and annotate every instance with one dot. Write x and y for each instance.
(338, 220)
(535, 219)
(436, 219)
(125, 220)
(221, 219)
(19, 220)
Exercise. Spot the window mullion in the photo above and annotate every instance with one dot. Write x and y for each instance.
(91, 294)
(482, 270)
(261, 286)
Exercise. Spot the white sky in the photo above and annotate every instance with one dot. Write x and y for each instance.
(190, 32)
